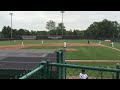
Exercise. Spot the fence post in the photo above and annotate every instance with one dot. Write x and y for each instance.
(58, 68)
(64, 68)
(51, 72)
(47, 70)
(63, 62)
(44, 70)
(65, 71)
(57, 55)
(117, 73)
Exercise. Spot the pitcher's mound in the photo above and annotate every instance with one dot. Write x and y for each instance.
(70, 49)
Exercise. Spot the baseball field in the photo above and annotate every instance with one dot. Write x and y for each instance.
(77, 51)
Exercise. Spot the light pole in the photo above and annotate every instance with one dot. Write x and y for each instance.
(62, 21)
(11, 24)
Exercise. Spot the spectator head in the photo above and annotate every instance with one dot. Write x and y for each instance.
(83, 71)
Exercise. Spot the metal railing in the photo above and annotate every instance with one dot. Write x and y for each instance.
(70, 71)
(33, 73)
(61, 70)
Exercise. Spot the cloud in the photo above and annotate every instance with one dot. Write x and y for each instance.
(36, 20)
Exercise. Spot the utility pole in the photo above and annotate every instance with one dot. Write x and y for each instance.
(62, 21)
(11, 24)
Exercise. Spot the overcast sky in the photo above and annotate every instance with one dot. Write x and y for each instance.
(36, 20)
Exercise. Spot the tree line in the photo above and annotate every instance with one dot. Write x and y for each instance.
(102, 29)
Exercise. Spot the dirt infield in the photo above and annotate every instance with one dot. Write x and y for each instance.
(70, 49)
(61, 44)
(53, 44)
(11, 47)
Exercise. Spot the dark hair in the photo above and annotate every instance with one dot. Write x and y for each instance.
(83, 70)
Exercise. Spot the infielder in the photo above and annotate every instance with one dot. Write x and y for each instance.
(65, 44)
(112, 45)
(99, 42)
(88, 42)
(22, 44)
(42, 42)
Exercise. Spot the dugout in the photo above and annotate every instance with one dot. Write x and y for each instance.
(15, 62)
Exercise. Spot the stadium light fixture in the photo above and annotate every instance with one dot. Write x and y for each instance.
(62, 21)
(11, 24)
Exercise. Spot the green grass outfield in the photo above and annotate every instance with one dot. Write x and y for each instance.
(45, 41)
(86, 52)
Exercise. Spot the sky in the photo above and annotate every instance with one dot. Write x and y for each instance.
(36, 20)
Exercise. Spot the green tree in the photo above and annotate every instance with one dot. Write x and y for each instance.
(42, 33)
(33, 32)
(6, 32)
(21, 32)
(14, 33)
(104, 29)
(69, 32)
(59, 29)
(51, 27)
(27, 32)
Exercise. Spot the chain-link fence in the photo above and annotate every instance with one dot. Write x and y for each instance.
(61, 70)
(72, 73)
(50, 70)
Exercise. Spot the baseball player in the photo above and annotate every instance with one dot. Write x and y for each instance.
(22, 44)
(42, 42)
(112, 45)
(65, 44)
(99, 42)
(88, 42)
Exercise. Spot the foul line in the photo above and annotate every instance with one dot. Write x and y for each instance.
(110, 47)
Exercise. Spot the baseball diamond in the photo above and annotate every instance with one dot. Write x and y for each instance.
(16, 58)
(54, 45)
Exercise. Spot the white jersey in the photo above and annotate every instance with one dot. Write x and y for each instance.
(83, 76)
(112, 44)
(65, 44)
(99, 42)
(42, 42)
(22, 44)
